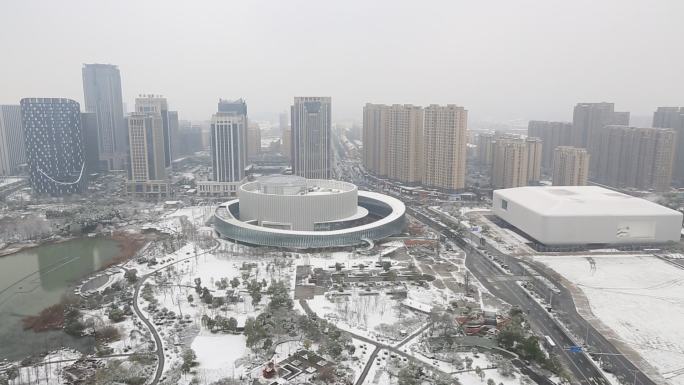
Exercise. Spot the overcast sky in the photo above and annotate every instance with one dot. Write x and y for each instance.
(502, 60)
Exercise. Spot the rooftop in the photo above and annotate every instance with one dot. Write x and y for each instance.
(581, 200)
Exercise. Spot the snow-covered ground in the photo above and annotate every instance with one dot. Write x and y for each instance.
(641, 298)
(219, 356)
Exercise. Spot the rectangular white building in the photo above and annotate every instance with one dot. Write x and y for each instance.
(579, 215)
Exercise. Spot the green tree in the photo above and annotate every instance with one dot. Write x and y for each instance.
(235, 282)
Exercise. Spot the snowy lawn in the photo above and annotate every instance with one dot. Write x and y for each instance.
(641, 298)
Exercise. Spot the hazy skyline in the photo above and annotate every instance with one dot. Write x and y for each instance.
(502, 60)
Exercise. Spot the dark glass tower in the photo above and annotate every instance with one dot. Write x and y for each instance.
(54, 145)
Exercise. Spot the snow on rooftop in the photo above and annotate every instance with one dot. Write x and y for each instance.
(581, 200)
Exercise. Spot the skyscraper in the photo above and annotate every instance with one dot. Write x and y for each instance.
(632, 157)
(91, 148)
(286, 144)
(509, 163)
(12, 152)
(552, 134)
(228, 146)
(570, 166)
(534, 155)
(444, 146)
(54, 145)
(102, 95)
(283, 121)
(375, 151)
(253, 140)
(147, 164)
(157, 104)
(311, 137)
(237, 106)
(673, 117)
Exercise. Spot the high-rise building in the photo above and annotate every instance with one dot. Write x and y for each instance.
(444, 146)
(509, 163)
(173, 135)
(673, 117)
(12, 152)
(587, 119)
(102, 95)
(147, 149)
(158, 104)
(189, 139)
(283, 121)
(570, 166)
(634, 157)
(534, 156)
(54, 145)
(286, 144)
(485, 148)
(253, 140)
(90, 130)
(375, 151)
(228, 146)
(405, 155)
(311, 137)
(552, 134)
(237, 106)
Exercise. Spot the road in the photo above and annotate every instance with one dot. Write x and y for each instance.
(579, 364)
(159, 351)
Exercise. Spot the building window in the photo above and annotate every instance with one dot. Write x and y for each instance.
(504, 204)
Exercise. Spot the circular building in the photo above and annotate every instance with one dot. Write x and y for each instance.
(294, 212)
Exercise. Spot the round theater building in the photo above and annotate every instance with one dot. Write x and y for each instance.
(294, 212)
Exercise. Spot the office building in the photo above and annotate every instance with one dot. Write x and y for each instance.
(570, 166)
(311, 137)
(157, 104)
(12, 152)
(444, 146)
(228, 154)
(552, 134)
(631, 157)
(147, 163)
(283, 121)
(91, 147)
(189, 139)
(376, 130)
(286, 144)
(673, 117)
(54, 145)
(102, 96)
(585, 216)
(237, 106)
(509, 163)
(534, 156)
(253, 140)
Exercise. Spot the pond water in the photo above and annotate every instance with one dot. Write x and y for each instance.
(36, 278)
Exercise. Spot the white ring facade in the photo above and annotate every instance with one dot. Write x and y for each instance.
(295, 203)
(273, 218)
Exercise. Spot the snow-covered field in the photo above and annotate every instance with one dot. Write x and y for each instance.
(219, 356)
(641, 298)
